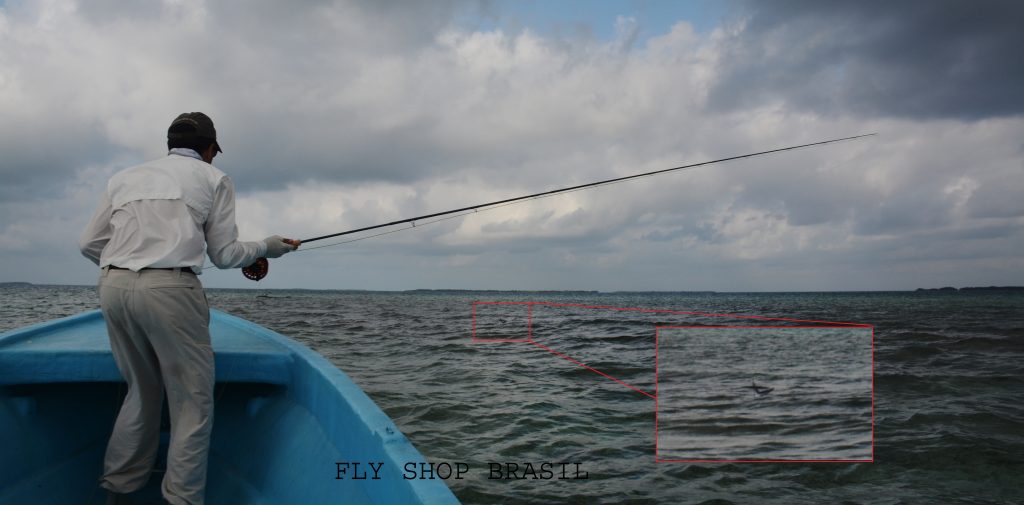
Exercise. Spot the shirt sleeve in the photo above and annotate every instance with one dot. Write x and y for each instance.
(98, 232)
(222, 243)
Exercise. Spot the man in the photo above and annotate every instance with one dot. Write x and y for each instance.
(148, 237)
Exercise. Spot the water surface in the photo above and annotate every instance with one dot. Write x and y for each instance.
(948, 386)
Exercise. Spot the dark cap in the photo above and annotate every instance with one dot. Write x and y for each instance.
(193, 125)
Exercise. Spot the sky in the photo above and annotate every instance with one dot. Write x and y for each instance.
(335, 115)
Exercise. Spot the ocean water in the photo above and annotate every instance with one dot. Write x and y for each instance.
(654, 404)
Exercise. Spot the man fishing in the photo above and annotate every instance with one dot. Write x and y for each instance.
(148, 236)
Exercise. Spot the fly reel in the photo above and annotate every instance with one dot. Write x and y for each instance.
(258, 270)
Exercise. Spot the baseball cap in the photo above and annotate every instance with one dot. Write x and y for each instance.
(193, 125)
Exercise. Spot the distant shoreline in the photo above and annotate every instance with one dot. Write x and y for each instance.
(1019, 289)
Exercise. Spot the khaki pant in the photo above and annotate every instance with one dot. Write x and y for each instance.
(158, 322)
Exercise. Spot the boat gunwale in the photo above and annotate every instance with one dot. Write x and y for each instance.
(312, 379)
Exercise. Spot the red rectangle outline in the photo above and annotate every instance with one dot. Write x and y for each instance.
(818, 324)
(657, 334)
(669, 311)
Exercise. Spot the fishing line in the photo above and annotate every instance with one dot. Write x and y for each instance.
(421, 224)
(260, 268)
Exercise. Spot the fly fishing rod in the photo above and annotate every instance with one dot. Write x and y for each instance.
(261, 267)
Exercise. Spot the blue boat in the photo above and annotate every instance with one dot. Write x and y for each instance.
(285, 418)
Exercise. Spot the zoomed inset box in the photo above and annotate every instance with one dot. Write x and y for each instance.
(764, 394)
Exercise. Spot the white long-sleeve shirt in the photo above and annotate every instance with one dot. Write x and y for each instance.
(163, 214)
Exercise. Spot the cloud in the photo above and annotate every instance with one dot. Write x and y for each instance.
(279, 80)
(338, 115)
(917, 59)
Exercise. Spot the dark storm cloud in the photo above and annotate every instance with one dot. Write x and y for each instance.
(915, 59)
(296, 25)
(310, 26)
(38, 162)
(83, 85)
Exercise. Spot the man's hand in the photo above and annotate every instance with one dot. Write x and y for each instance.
(278, 246)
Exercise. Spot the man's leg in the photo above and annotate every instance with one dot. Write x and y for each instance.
(178, 321)
(133, 444)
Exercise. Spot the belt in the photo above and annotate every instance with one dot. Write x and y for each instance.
(172, 269)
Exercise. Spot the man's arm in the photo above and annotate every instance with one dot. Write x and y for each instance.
(98, 232)
(222, 243)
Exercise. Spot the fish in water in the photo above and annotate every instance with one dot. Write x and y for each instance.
(761, 390)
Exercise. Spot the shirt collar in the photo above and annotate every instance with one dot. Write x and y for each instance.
(184, 151)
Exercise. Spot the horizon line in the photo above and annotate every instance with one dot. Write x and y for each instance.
(947, 289)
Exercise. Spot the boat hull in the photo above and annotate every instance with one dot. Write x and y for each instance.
(284, 417)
